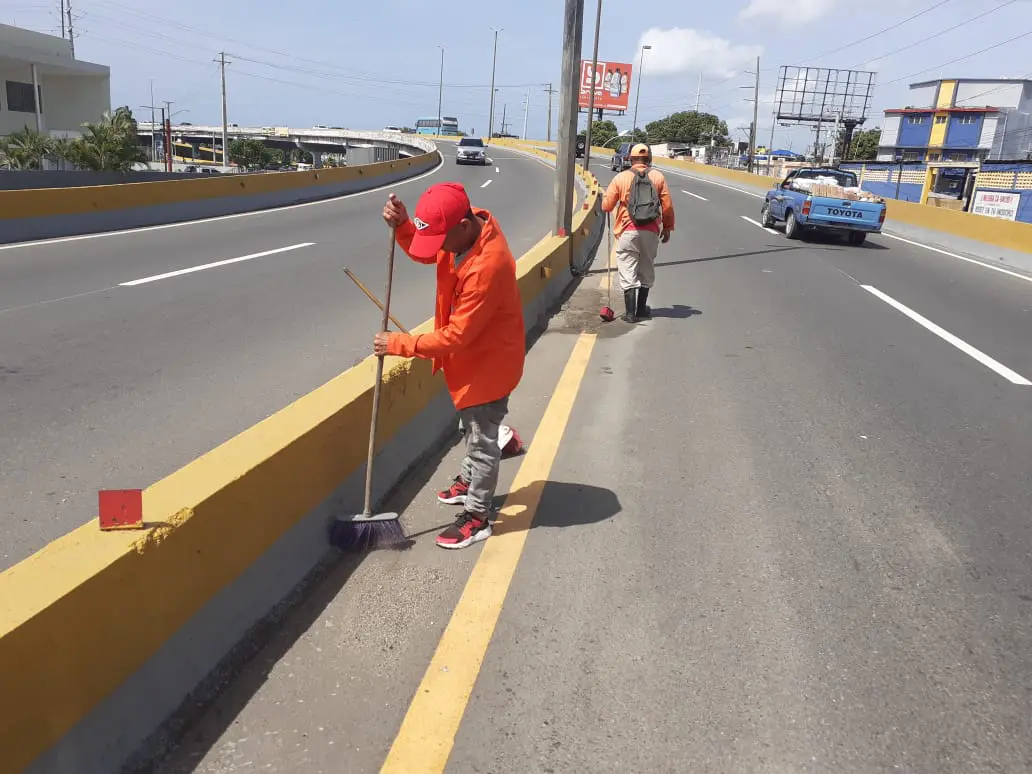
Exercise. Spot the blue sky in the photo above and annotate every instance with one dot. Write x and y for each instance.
(366, 65)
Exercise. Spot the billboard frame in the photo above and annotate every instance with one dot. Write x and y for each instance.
(820, 95)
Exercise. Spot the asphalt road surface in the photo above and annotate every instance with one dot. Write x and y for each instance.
(107, 385)
(786, 529)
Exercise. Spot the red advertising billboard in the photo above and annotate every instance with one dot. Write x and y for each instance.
(612, 85)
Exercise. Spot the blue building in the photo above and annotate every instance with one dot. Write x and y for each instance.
(961, 120)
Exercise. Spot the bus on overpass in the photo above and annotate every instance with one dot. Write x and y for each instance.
(449, 126)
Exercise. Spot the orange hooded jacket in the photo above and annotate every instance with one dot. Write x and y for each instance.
(478, 337)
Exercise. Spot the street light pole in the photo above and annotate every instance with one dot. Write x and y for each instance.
(637, 92)
(573, 23)
(494, 62)
(591, 97)
(440, 93)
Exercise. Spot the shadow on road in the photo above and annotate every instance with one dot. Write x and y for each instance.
(676, 312)
(561, 504)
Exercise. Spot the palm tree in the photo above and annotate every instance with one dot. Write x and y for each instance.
(108, 146)
(26, 149)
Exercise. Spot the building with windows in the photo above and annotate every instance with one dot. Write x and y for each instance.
(960, 120)
(43, 87)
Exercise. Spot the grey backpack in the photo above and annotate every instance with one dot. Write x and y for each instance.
(643, 201)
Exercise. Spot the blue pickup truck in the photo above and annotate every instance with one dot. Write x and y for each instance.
(794, 203)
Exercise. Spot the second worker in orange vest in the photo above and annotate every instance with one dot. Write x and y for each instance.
(638, 243)
(478, 338)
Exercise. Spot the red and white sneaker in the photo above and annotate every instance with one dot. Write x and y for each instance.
(468, 529)
(456, 493)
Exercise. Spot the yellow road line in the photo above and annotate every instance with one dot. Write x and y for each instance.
(424, 742)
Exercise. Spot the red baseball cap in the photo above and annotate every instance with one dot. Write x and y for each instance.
(438, 211)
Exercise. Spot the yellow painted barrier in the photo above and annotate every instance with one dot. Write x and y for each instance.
(47, 202)
(82, 615)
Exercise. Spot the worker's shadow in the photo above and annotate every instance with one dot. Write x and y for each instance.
(553, 504)
(676, 312)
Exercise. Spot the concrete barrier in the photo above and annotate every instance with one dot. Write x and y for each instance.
(46, 213)
(103, 636)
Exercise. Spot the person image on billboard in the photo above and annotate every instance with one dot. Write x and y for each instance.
(614, 88)
(623, 84)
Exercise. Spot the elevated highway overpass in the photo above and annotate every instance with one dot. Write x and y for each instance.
(319, 140)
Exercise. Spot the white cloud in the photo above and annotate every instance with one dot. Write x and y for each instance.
(678, 50)
(794, 12)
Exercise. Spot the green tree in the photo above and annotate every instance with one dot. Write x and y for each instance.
(275, 156)
(602, 132)
(863, 146)
(111, 145)
(689, 127)
(249, 154)
(26, 149)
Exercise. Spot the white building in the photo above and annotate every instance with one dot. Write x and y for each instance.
(961, 119)
(43, 87)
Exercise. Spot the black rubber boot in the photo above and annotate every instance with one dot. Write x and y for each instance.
(631, 305)
(643, 310)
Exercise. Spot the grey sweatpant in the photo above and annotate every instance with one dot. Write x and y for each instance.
(483, 455)
(636, 258)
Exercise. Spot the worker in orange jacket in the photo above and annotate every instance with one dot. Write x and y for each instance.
(638, 243)
(478, 338)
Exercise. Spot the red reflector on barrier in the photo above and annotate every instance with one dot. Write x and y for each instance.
(121, 509)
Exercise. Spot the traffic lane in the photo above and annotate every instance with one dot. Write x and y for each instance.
(989, 309)
(820, 562)
(120, 388)
(37, 272)
(48, 272)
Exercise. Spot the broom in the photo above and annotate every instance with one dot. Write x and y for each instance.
(606, 312)
(367, 530)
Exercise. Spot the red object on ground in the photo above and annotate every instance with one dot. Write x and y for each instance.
(121, 509)
(607, 314)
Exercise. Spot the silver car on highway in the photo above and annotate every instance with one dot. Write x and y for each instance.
(471, 150)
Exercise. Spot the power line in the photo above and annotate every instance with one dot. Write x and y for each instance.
(891, 27)
(959, 59)
(938, 34)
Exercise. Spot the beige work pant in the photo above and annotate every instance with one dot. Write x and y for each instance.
(636, 258)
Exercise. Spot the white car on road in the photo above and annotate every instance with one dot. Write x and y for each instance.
(471, 150)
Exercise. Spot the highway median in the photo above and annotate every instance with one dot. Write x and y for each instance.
(105, 636)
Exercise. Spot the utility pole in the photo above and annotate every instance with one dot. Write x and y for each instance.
(504, 106)
(62, 14)
(494, 62)
(573, 23)
(71, 29)
(440, 92)
(526, 114)
(770, 148)
(166, 128)
(225, 115)
(153, 148)
(591, 97)
(756, 111)
(550, 91)
(698, 93)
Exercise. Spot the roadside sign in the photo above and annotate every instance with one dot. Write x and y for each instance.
(996, 204)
